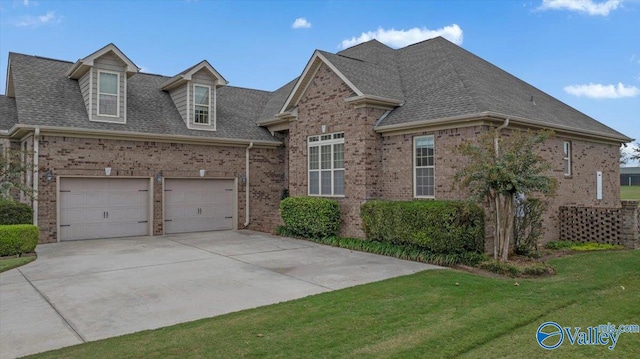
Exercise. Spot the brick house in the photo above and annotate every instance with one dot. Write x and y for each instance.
(125, 153)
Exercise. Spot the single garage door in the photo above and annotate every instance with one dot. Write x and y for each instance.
(198, 205)
(103, 208)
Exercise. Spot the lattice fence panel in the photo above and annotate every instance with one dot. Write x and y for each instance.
(590, 224)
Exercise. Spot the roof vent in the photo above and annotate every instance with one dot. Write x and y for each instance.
(532, 100)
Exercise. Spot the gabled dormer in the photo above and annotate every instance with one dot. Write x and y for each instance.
(102, 77)
(193, 91)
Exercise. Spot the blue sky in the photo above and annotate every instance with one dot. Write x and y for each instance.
(584, 52)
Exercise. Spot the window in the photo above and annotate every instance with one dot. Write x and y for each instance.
(108, 91)
(326, 165)
(424, 166)
(201, 105)
(566, 158)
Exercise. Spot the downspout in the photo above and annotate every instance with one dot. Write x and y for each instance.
(496, 197)
(246, 189)
(36, 175)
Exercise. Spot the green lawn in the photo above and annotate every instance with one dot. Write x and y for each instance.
(417, 316)
(630, 192)
(6, 264)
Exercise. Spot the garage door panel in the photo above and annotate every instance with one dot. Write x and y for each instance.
(103, 208)
(195, 205)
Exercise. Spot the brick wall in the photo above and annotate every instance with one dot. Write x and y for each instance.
(323, 104)
(71, 156)
(577, 189)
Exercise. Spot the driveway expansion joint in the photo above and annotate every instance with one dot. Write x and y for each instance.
(67, 323)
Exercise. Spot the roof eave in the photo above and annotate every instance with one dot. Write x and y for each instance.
(20, 130)
(384, 103)
(454, 121)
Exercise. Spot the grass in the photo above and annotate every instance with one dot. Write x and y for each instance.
(6, 264)
(630, 192)
(582, 246)
(416, 316)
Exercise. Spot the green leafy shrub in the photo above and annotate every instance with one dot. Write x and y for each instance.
(17, 239)
(15, 213)
(582, 246)
(442, 227)
(408, 252)
(528, 226)
(310, 217)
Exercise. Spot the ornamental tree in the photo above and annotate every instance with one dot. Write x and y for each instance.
(13, 169)
(500, 168)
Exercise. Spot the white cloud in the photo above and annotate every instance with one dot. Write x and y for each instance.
(602, 91)
(301, 23)
(35, 21)
(402, 38)
(585, 6)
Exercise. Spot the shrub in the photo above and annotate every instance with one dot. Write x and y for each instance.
(15, 213)
(582, 246)
(310, 217)
(528, 226)
(18, 239)
(444, 227)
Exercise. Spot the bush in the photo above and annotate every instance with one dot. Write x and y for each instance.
(15, 213)
(582, 246)
(528, 226)
(444, 227)
(310, 217)
(18, 239)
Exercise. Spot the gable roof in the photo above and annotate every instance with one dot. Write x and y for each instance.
(186, 75)
(45, 96)
(8, 112)
(81, 66)
(436, 82)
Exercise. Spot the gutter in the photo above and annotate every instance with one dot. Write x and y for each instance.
(142, 136)
(494, 116)
(246, 190)
(36, 174)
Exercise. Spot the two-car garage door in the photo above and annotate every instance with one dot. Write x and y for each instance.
(121, 207)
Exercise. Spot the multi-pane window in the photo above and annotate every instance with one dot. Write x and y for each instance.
(566, 157)
(326, 165)
(201, 105)
(108, 91)
(424, 166)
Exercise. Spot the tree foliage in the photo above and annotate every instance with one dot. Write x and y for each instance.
(13, 169)
(635, 152)
(500, 167)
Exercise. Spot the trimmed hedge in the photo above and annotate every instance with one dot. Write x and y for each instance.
(443, 227)
(18, 239)
(310, 217)
(15, 213)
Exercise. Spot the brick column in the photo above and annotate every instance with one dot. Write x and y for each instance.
(630, 228)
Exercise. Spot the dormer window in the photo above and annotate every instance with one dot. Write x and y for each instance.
(108, 94)
(201, 108)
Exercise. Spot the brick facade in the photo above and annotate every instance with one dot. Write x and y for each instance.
(73, 156)
(323, 104)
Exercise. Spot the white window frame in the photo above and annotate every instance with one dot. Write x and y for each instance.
(208, 123)
(317, 141)
(109, 94)
(566, 158)
(415, 167)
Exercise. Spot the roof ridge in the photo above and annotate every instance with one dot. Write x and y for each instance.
(39, 57)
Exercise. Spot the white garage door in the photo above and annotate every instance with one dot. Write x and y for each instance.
(197, 205)
(103, 208)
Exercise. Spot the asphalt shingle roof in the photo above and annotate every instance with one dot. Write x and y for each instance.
(440, 79)
(276, 101)
(8, 112)
(45, 96)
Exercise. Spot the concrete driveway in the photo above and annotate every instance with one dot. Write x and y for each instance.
(88, 290)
